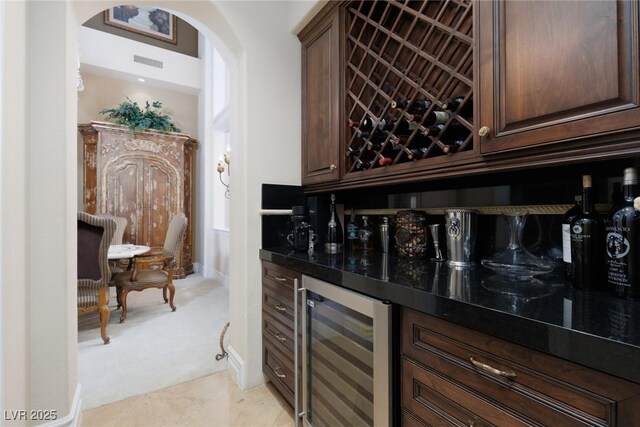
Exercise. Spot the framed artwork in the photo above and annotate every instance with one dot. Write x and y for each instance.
(147, 21)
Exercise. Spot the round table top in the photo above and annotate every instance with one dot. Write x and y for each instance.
(126, 251)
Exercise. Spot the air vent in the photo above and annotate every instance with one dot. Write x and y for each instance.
(147, 61)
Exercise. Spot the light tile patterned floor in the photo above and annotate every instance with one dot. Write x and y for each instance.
(214, 400)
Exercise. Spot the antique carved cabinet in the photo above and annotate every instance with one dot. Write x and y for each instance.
(145, 177)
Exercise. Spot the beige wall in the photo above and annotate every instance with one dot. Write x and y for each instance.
(104, 92)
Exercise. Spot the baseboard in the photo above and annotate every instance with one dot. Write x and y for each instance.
(72, 419)
(196, 267)
(236, 367)
(218, 276)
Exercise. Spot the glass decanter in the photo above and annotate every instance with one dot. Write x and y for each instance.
(515, 262)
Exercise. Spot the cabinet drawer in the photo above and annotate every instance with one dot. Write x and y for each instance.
(278, 334)
(279, 370)
(436, 400)
(279, 278)
(542, 388)
(278, 307)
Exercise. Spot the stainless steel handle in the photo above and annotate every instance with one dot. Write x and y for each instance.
(280, 307)
(491, 369)
(280, 338)
(281, 279)
(296, 367)
(279, 373)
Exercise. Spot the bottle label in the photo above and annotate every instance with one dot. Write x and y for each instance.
(618, 248)
(566, 243)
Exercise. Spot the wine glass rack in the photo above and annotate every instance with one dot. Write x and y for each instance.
(409, 90)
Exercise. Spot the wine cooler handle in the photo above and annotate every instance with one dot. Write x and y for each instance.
(484, 131)
(296, 347)
(491, 369)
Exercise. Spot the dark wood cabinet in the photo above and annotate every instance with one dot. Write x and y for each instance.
(145, 177)
(278, 317)
(561, 79)
(452, 375)
(321, 123)
(552, 71)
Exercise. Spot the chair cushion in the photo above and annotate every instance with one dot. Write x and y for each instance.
(146, 278)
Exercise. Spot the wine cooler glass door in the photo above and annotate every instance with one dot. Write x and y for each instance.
(346, 368)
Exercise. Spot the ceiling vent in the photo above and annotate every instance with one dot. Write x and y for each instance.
(147, 61)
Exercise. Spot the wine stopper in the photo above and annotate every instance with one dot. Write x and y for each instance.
(435, 235)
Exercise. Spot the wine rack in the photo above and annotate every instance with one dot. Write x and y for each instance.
(405, 61)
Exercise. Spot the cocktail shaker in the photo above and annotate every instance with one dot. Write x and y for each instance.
(435, 236)
(460, 226)
(384, 235)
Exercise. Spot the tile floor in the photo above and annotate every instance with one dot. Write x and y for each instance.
(214, 400)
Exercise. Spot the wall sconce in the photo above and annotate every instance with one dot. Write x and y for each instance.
(226, 158)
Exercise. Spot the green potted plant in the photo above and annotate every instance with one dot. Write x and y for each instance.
(129, 113)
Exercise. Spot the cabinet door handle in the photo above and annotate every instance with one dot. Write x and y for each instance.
(281, 279)
(491, 369)
(280, 338)
(280, 307)
(333, 167)
(484, 131)
(279, 373)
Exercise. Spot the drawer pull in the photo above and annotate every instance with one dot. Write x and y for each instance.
(279, 373)
(491, 369)
(280, 307)
(281, 279)
(280, 338)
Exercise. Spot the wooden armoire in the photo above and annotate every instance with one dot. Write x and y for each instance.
(146, 177)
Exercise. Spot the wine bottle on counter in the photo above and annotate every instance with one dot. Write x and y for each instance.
(566, 235)
(366, 235)
(352, 233)
(333, 244)
(587, 243)
(623, 241)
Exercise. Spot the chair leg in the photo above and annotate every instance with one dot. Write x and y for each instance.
(104, 314)
(123, 301)
(164, 294)
(118, 296)
(172, 292)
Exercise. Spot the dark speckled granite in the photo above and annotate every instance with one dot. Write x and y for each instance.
(594, 329)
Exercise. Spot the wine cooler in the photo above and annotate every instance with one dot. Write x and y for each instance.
(345, 357)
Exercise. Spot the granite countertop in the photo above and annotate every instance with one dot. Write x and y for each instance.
(594, 329)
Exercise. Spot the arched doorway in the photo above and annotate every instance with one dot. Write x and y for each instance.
(205, 234)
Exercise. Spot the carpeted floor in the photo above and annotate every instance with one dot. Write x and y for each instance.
(155, 347)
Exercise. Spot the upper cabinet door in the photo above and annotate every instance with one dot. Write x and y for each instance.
(552, 71)
(320, 101)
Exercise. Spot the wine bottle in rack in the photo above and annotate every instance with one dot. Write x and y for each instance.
(403, 128)
(451, 145)
(398, 141)
(368, 124)
(416, 153)
(361, 134)
(588, 243)
(402, 104)
(434, 130)
(362, 165)
(384, 160)
(435, 117)
(352, 153)
(453, 104)
(386, 123)
(353, 123)
(623, 241)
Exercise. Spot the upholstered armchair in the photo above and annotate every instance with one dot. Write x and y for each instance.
(139, 278)
(116, 265)
(94, 238)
